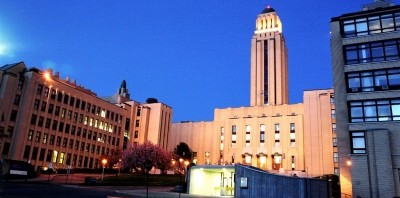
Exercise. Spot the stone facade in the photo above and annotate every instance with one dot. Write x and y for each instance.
(366, 85)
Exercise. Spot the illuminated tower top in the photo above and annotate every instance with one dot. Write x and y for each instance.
(269, 78)
(268, 21)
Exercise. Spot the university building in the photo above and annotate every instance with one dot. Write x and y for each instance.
(366, 76)
(45, 119)
(270, 133)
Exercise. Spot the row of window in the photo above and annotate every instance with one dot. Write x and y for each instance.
(45, 139)
(371, 25)
(59, 157)
(377, 80)
(372, 52)
(40, 121)
(77, 103)
(374, 110)
(69, 129)
(262, 135)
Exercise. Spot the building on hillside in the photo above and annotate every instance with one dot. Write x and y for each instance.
(45, 119)
(366, 73)
(270, 134)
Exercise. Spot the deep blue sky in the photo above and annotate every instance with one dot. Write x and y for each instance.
(191, 55)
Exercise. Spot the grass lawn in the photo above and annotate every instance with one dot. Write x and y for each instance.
(140, 180)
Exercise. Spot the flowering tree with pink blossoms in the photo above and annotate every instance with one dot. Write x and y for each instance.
(142, 157)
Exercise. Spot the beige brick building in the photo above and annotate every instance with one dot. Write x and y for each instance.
(270, 134)
(45, 119)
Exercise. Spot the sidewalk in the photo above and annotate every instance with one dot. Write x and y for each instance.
(78, 179)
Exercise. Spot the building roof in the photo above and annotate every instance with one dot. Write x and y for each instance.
(267, 9)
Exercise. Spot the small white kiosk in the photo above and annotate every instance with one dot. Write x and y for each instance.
(211, 180)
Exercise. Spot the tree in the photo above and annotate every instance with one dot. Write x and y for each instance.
(114, 156)
(141, 156)
(183, 151)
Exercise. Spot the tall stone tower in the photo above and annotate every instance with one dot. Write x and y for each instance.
(269, 78)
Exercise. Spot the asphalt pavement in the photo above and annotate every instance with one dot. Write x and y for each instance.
(78, 179)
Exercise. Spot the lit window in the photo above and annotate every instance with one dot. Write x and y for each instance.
(358, 142)
(335, 157)
(55, 156)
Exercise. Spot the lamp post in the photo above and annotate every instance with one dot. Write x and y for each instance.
(148, 167)
(180, 177)
(104, 162)
(119, 167)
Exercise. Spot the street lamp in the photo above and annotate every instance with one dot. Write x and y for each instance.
(119, 167)
(104, 162)
(148, 167)
(180, 177)
(348, 162)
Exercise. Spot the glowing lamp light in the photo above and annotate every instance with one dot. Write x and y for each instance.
(348, 162)
(104, 162)
(47, 75)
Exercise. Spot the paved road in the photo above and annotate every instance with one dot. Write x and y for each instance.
(46, 186)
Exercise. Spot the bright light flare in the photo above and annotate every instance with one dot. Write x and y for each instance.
(47, 75)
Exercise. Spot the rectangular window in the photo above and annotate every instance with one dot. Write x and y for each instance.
(72, 101)
(371, 25)
(55, 156)
(373, 80)
(55, 124)
(63, 111)
(262, 134)
(49, 155)
(45, 138)
(57, 111)
(42, 154)
(371, 52)
(374, 110)
(43, 107)
(53, 94)
(233, 137)
(58, 142)
(52, 137)
(17, 99)
(30, 135)
(39, 89)
(50, 109)
(71, 144)
(65, 142)
(36, 104)
(335, 157)
(46, 92)
(358, 142)
(13, 116)
(27, 151)
(20, 83)
(334, 141)
(35, 151)
(37, 138)
(248, 136)
(66, 99)
(33, 119)
(62, 156)
(59, 96)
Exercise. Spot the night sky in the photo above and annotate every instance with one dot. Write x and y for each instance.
(191, 55)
